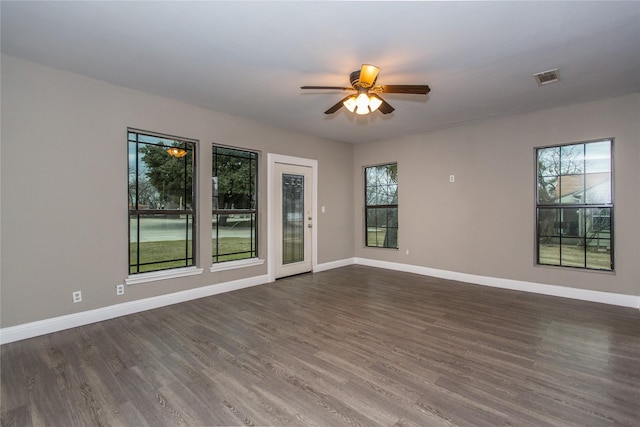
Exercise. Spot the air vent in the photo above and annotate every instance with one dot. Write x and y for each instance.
(547, 77)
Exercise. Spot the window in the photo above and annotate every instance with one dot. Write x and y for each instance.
(574, 205)
(234, 215)
(381, 205)
(161, 202)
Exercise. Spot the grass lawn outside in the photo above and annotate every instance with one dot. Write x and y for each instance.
(573, 256)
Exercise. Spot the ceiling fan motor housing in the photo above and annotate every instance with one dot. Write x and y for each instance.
(354, 78)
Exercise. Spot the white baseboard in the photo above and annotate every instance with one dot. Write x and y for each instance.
(41, 327)
(517, 285)
(33, 329)
(333, 264)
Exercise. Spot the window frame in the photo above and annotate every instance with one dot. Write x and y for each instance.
(136, 213)
(219, 264)
(583, 210)
(389, 207)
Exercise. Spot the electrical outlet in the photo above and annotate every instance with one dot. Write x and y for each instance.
(120, 290)
(452, 178)
(76, 296)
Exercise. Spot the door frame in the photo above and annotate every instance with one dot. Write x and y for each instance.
(272, 159)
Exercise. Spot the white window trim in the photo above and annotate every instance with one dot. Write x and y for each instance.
(153, 276)
(232, 265)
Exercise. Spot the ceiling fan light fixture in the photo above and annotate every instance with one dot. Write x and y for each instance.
(367, 97)
(363, 103)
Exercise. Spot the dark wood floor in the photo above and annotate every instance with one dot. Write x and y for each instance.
(353, 346)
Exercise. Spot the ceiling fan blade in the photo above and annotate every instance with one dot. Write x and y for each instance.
(385, 107)
(409, 89)
(337, 106)
(327, 87)
(368, 75)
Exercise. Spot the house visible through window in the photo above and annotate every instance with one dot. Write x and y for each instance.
(234, 215)
(381, 205)
(161, 202)
(574, 205)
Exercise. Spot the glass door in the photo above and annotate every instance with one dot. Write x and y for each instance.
(293, 229)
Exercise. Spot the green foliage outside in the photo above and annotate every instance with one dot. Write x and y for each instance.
(170, 177)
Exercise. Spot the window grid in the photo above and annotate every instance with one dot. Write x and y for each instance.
(381, 205)
(161, 202)
(234, 202)
(574, 205)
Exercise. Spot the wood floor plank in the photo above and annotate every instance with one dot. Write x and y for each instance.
(353, 346)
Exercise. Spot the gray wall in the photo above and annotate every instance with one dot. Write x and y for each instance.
(64, 188)
(64, 191)
(484, 223)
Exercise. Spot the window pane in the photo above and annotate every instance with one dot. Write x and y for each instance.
(549, 250)
(549, 224)
(548, 189)
(382, 227)
(599, 222)
(292, 218)
(599, 254)
(166, 181)
(372, 196)
(234, 237)
(572, 159)
(391, 238)
(598, 157)
(570, 223)
(572, 255)
(234, 173)
(549, 161)
(598, 188)
(381, 186)
(133, 175)
(571, 189)
(162, 241)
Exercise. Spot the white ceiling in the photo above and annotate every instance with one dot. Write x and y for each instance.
(250, 58)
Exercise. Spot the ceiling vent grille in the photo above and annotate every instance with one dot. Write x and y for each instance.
(547, 77)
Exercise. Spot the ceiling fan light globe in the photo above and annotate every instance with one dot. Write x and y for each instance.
(350, 103)
(362, 101)
(362, 110)
(374, 103)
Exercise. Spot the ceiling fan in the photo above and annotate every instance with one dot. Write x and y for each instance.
(367, 99)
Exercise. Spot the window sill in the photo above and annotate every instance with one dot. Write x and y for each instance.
(162, 275)
(232, 265)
